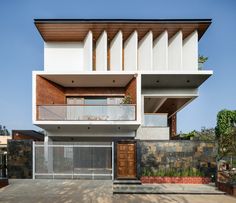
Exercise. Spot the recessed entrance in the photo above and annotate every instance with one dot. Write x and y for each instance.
(126, 160)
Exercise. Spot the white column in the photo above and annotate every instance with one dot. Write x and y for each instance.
(33, 160)
(88, 52)
(101, 52)
(116, 52)
(190, 52)
(175, 52)
(131, 52)
(145, 47)
(160, 52)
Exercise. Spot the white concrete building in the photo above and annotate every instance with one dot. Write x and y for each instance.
(115, 82)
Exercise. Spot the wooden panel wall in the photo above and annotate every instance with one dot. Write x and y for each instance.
(173, 125)
(48, 92)
(131, 90)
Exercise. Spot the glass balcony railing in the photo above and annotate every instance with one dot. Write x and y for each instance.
(155, 119)
(120, 112)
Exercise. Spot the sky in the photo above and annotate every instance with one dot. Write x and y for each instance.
(21, 51)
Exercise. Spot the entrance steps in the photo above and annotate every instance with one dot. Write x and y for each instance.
(127, 182)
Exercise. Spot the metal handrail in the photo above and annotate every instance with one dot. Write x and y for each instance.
(86, 105)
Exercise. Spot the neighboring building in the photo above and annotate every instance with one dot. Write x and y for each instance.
(27, 135)
(114, 81)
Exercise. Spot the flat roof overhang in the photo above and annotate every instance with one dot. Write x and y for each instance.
(88, 126)
(174, 79)
(92, 79)
(76, 29)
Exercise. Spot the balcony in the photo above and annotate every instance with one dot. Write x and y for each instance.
(121, 112)
(155, 120)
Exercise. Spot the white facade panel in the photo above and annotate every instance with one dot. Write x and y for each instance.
(145, 47)
(160, 52)
(175, 52)
(101, 52)
(116, 52)
(131, 52)
(88, 52)
(153, 133)
(63, 56)
(190, 52)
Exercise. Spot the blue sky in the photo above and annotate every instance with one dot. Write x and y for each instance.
(21, 50)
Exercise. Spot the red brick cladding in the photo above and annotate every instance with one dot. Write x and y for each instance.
(48, 92)
(94, 91)
(131, 90)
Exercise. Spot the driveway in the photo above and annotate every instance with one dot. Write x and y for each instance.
(40, 191)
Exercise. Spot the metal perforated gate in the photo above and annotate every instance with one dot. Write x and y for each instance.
(80, 160)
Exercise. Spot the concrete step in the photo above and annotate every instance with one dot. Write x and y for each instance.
(166, 189)
(127, 182)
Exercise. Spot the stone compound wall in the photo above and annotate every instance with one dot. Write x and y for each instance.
(19, 158)
(177, 154)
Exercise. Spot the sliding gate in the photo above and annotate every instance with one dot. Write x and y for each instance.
(80, 160)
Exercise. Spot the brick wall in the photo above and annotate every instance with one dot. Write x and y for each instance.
(48, 92)
(131, 90)
(94, 91)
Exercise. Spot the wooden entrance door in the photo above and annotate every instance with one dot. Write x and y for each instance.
(126, 160)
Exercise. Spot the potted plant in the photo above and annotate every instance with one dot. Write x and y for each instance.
(201, 60)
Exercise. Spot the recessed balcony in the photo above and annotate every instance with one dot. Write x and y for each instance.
(121, 112)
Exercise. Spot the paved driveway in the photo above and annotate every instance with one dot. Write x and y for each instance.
(49, 191)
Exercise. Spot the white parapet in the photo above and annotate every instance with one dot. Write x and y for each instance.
(130, 52)
(101, 52)
(88, 52)
(63, 56)
(153, 133)
(160, 52)
(116, 52)
(190, 52)
(145, 49)
(175, 52)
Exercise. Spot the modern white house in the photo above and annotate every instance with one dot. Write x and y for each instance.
(107, 84)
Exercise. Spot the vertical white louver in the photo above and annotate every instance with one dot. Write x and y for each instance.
(130, 52)
(160, 52)
(101, 52)
(116, 52)
(145, 50)
(88, 52)
(175, 52)
(190, 52)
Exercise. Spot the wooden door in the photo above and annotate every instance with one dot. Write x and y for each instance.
(126, 160)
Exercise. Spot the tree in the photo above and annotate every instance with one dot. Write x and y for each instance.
(3, 130)
(226, 133)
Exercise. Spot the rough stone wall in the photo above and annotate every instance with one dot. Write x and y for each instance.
(173, 154)
(19, 159)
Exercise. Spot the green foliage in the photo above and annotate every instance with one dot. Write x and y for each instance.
(226, 119)
(173, 172)
(202, 59)
(127, 99)
(206, 134)
(226, 133)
